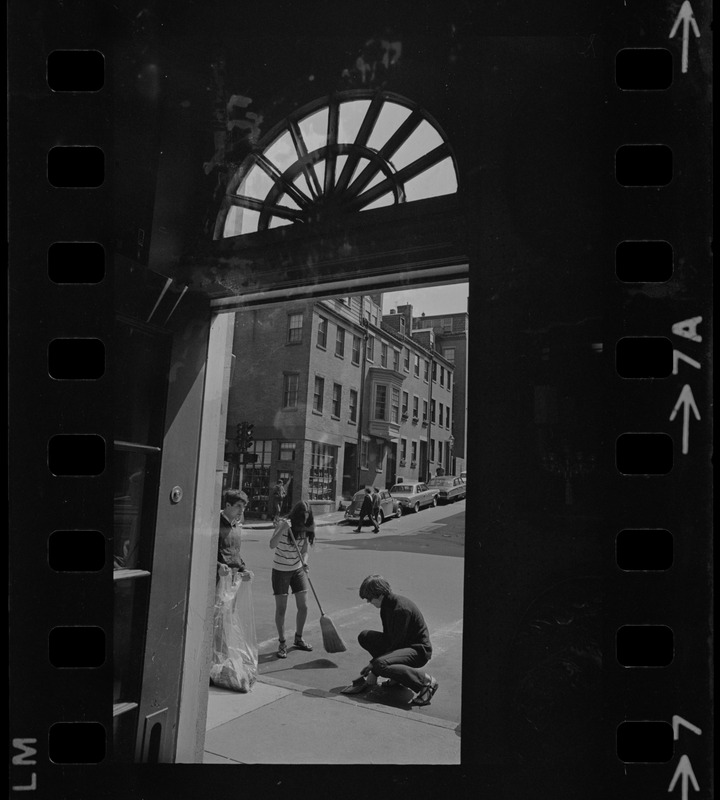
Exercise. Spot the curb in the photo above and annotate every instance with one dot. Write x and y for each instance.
(413, 716)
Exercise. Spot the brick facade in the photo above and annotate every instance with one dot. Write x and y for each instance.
(299, 342)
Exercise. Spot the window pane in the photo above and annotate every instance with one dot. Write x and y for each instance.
(350, 118)
(257, 184)
(130, 612)
(135, 476)
(282, 152)
(435, 181)
(421, 141)
(314, 129)
(389, 120)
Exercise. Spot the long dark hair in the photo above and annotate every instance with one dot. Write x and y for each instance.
(300, 527)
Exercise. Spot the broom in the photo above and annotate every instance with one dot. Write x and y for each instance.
(332, 641)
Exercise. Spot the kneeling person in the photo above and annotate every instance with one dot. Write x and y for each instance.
(400, 649)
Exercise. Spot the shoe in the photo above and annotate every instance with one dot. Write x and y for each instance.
(282, 649)
(377, 530)
(356, 687)
(425, 695)
(357, 530)
(301, 644)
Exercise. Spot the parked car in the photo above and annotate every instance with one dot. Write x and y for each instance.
(450, 488)
(413, 495)
(389, 507)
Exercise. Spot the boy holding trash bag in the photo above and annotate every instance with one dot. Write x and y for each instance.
(235, 656)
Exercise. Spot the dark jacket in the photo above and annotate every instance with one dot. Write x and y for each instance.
(367, 506)
(403, 624)
(229, 544)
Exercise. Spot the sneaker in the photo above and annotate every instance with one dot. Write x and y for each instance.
(425, 695)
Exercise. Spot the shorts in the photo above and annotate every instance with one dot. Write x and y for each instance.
(284, 580)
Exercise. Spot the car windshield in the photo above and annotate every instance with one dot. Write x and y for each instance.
(440, 482)
(404, 488)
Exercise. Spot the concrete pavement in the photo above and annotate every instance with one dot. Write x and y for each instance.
(281, 722)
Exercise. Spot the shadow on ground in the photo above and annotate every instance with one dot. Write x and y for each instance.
(397, 697)
(437, 542)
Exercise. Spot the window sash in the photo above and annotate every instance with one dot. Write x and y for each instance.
(318, 393)
(381, 402)
(340, 342)
(322, 332)
(356, 350)
(290, 391)
(295, 325)
(353, 405)
(337, 399)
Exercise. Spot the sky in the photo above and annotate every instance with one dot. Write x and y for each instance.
(449, 299)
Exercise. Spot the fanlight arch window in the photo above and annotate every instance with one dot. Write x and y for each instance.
(341, 155)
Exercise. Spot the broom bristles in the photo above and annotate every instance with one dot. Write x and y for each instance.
(332, 641)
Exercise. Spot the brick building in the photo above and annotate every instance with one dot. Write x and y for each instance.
(451, 339)
(340, 396)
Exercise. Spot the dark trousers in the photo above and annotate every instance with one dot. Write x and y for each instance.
(399, 665)
(370, 517)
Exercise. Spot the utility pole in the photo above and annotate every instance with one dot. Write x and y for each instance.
(429, 419)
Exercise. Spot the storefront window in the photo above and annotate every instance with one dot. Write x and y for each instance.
(256, 478)
(322, 471)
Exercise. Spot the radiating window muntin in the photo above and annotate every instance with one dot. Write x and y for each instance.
(352, 152)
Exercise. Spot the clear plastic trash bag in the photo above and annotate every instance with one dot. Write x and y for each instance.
(235, 652)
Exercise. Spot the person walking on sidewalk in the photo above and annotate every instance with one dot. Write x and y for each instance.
(366, 510)
(289, 571)
(403, 646)
(230, 536)
(376, 506)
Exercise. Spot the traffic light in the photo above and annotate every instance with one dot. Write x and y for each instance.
(244, 436)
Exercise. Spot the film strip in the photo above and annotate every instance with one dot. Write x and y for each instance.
(588, 634)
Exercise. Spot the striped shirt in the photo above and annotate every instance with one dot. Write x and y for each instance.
(286, 556)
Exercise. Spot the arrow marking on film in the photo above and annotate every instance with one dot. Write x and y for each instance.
(687, 401)
(677, 721)
(687, 18)
(684, 769)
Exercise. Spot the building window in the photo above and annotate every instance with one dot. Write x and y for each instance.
(318, 394)
(426, 371)
(449, 353)
(256, 477)
(395, 406)
(353, 405)
(405, 401)
(432, 411)
(416, 366)
(364, 452)
(380, 401)
(287, 451)
(446, 323)
(356, 350)
(434, 371)
(447, 417)
(442, 376)
(322, 333)
(440, 453)
(396, 360)
(374, 314)
(295, 326)
(425, 406)
(322, 472)
(406, 362)
(336, 400)
(290, 390)
(416, 407)
(413, 453)
(383, 355)
(340, 342)
(403, 449)
(432, 449)
(370, 348)
(440, 414)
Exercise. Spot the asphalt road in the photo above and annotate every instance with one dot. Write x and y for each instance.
(421, 555)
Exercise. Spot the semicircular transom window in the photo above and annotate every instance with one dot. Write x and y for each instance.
(349, 153)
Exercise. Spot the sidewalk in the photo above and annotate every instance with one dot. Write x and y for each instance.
(333, 518)
(281, 722)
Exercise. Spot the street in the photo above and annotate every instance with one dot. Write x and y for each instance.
(421, 555)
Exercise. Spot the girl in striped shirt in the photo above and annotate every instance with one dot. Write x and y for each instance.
(289, 571)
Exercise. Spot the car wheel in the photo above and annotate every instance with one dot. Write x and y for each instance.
(398, 513)
(381, 517)
(416, 507)
(434, 502)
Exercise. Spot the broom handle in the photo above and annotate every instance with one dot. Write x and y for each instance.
(292, 539)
